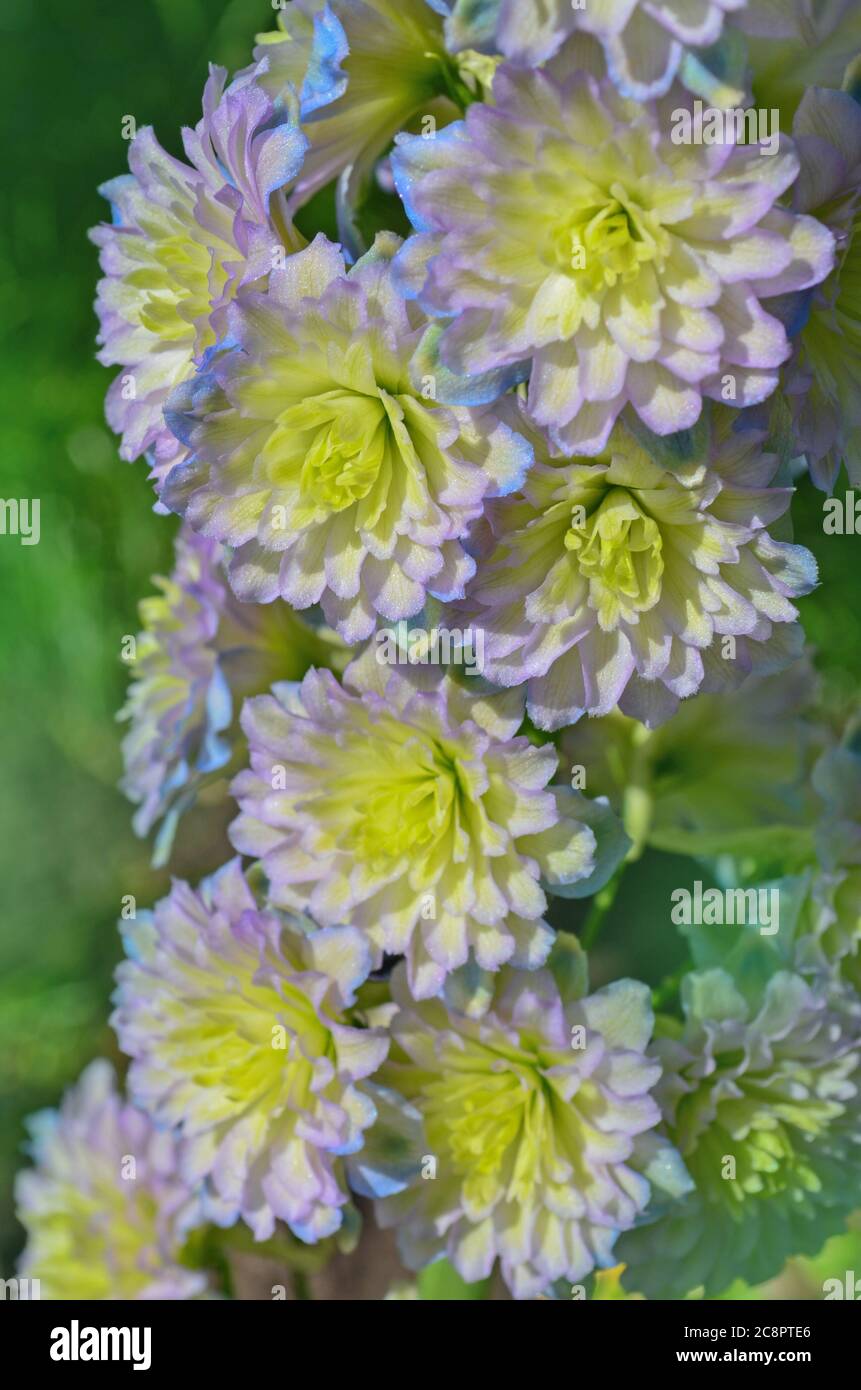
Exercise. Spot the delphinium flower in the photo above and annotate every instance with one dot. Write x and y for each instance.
(563, 233)
(728, 773)
(823, 382)
(615, 581)
(560, 417)
(184, 237)
(643, 40)
(336, 480)
(105, 1209)
(367, 69)
(540, 1117)
(762, 1101)
(199, 655)
(404, 804)
(237, 1023)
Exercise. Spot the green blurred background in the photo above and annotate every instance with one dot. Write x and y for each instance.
(69, 74)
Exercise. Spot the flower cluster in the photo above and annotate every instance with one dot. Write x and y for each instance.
(539, 373)
(823, 383)
(764, 1104)
(617, 268)
(612, 581)
(236, 1023)
(200, 654)
(183, 238)
(414, 814)
(106, 1208)
(312, 454)
(643, 44)
(541, 1117)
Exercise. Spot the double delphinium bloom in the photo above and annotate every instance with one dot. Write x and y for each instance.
(562, 233)
(106, 1209)
(528, 383)
(539, 1109)
(414, 812)
(238, 1025)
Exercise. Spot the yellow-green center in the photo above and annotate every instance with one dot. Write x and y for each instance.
(618, 548)
(608, 238)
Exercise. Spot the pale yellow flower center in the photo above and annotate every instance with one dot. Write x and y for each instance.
(402, 805)
(608, 238)
(245, 1052)
(618, 548)
(486, 1117)
(338, 471)
(342, 446)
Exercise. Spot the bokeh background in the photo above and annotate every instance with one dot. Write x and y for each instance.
(69, 73)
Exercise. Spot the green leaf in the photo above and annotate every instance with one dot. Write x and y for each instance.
(750, 957)
(441, 1283)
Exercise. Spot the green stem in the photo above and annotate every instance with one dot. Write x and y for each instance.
(450, 82)
(601, 904)
(637, 814)
(638, 807)
(669, 988)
